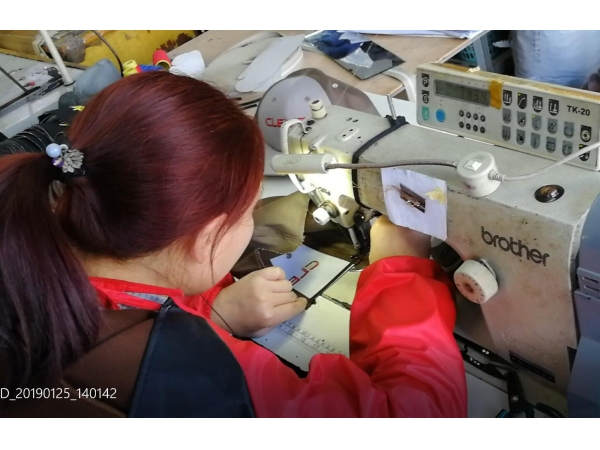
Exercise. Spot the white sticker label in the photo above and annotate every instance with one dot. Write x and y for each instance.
(416, 201)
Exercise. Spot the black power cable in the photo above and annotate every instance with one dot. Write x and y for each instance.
(110, 48)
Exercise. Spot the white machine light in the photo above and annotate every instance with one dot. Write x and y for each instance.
(286, 164)
(474, 169)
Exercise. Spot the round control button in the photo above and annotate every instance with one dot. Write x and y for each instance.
(468, 126)
(585, 135)
(476, 281)
(461, 113)
(475, 128)
(482, 129)
(461, 124)
(475, 116)
(440, 115)
(482, 118)
(549, 193)
(468, 115)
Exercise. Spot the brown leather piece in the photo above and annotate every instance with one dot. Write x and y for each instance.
(282, 224)
(257, 259)
(279, 223)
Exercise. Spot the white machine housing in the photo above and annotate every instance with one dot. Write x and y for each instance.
(530, 246)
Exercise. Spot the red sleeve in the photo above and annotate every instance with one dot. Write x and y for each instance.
(403, 361)
(201, 304)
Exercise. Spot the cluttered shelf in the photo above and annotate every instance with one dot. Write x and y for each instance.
(414, 50)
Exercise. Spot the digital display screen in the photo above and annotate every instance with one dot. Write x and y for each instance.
(462, 93)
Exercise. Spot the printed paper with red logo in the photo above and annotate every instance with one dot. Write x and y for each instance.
(309, 270)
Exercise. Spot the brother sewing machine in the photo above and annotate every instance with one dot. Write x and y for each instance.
(528, 245)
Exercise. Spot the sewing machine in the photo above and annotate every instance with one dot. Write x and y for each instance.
(524, 252)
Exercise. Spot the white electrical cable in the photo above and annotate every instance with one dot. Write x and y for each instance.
(493, 174)
(406, 162)
(502, 177)
(57, 59)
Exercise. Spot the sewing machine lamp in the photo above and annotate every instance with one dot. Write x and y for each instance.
(290, 99)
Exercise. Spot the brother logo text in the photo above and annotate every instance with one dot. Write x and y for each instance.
(515, 247)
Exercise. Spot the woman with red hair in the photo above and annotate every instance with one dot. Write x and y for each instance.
(115, 252)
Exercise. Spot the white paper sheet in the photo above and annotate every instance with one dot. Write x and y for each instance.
(323, 328)
(433, 220)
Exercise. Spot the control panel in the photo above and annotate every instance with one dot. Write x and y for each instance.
(528, 116)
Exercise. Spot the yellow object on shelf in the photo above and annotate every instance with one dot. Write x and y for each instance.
(131, 64)
(132, 45)
(86, 48)
(130, 68)
(20, 41)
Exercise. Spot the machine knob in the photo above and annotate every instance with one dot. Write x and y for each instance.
(317, 109)
(321, 216)
(476, 281)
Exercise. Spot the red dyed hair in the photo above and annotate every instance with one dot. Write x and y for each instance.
(164, 155)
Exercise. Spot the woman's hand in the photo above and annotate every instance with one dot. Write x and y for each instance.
(389, 240)
(256, 303)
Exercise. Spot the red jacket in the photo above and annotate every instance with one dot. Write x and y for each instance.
(403, 361)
